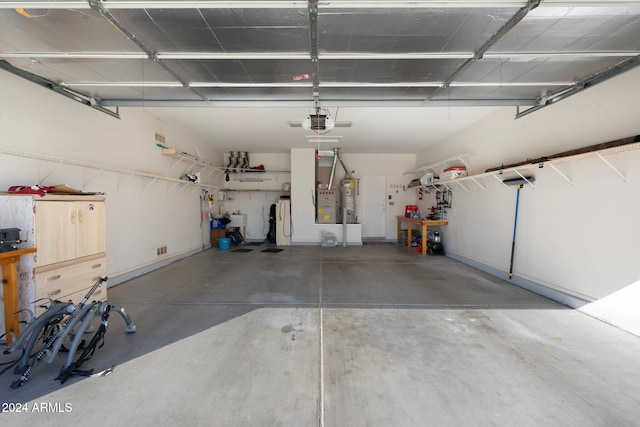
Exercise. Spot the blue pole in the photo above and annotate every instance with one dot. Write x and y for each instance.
(515, 224)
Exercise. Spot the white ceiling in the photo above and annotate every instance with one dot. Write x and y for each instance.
(374, 130)
(235, 72)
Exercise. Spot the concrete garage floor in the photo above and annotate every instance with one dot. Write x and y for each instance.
(356, 336)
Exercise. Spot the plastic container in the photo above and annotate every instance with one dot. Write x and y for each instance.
(410, 211)
(224, 243)
(328, 239)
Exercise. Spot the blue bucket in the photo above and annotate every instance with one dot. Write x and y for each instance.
(224, 243)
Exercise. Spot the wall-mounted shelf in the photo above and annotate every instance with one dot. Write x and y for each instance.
(196, 162)
(440, 166)
(100, 168)
(251, 190)
(520, 171)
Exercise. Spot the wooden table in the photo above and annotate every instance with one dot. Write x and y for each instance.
(424, 223)
(8, 261)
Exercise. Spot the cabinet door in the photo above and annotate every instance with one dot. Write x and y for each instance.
(55, 231)
(90, 232)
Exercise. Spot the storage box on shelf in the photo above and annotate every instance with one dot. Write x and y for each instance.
(69, 235)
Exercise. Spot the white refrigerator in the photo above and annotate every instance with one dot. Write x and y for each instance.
(283, 222)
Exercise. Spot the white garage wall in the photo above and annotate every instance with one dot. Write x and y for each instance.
(393, 167)
(141, 215)
(579, 239)
(256, 204)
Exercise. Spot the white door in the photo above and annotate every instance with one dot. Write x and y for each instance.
(373, 214)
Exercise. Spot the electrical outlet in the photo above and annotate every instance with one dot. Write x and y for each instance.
(161, 250)
(159, 138)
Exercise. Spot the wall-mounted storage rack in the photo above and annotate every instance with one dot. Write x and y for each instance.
(100, 168)
(440, 166)
(521, 170)
(210, 167)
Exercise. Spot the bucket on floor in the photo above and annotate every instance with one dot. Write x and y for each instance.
(224, 243)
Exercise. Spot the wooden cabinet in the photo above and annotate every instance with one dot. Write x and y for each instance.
(68, 230)
(70, 237)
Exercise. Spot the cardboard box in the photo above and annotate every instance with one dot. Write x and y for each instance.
(453, 173)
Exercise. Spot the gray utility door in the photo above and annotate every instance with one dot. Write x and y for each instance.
(374, 214)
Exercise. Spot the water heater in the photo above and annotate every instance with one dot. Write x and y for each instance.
(348, 193)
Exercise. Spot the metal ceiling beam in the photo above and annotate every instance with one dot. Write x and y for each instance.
(48, 84)
(298, 4)
(303, 84)
(98, 6)
(510, 24)
(581, 85)
(313, 48)
(274, 56)
(326, 103)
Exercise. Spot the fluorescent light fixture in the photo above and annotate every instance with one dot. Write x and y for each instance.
(240, 85)
(418, 4)
(74, 55)
(381, 84)
(239, 55)
(45, 5)
(408, 55)
(323, 139)
(123, 4)
(122, 84)
(509, 84)
(535, 55)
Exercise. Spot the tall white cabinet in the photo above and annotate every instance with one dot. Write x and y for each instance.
(70, 237)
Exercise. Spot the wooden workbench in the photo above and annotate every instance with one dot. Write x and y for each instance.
(8, 261)
(424, 223)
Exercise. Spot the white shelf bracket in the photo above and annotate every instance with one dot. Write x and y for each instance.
(523, 177)
(613, 168)
(500, 181)
(149, 184)
(53, 169)
(481, 186)
(466, 165)
(186, 184)
(465, 188)
(125, 181)
(552, 166)
(173, 186)
(177, 162)
(208, 173)
(84, 184)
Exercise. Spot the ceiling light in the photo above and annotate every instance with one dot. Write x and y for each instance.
(122, 84)
(409, 55)
(232, 84)
(237, 55)
(125, 4)
(380, 84)
(509, 84)
(535, 55)
(75, 55)
(323, 139)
